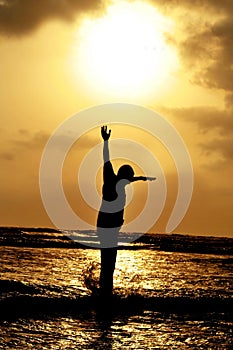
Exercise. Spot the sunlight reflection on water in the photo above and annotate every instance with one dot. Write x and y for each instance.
(154, 272)
(147, 331)
(144, 272)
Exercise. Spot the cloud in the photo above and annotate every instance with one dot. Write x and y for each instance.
(25, 140)
(206, 118)
(219, 72)
(30, 141)
(22, 141)
(207, 53)
(222, 146)
(229, 101)
(215, 132)
(205, 47)
(211, 5)
(19, 17)
(7, 156)
(205, 44)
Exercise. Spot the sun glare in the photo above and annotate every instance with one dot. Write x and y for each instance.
(124, 52)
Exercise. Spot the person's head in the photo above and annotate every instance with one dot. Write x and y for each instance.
(125, 172)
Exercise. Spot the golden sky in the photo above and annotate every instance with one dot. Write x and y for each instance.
(175, 57)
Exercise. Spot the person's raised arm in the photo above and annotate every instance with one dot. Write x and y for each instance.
(105, 135)
(143, 178)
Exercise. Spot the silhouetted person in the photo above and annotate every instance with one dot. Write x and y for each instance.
(110, 217)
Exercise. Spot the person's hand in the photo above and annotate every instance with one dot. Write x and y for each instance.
(151, 178)
(104, 133)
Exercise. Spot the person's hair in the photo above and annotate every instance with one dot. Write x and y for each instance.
(125, 172)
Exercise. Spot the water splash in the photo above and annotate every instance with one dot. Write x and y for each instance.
(90, 277)
(133, 283)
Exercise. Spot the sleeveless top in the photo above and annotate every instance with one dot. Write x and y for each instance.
(113, 199)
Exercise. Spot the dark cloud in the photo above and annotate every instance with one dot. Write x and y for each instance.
(223, 146)
(208, 5)
(229, 101)
(23, 141)
(206, 49)
(207, 52)
(27, 141)
(19, 17)
(30, 141)
(220, 72)
(7, 156)
(207, 118)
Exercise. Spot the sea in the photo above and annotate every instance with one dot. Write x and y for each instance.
(171, 291)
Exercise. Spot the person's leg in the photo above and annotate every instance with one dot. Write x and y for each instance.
(108, 241)
(108, 261)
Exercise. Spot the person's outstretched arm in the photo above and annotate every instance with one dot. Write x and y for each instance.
(143, 178)
(108, 172)
(105, 136)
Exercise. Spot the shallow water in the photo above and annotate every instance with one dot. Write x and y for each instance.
(153, 273)
(149, 330)
(162, 300)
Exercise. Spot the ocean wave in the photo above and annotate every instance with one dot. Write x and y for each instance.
(50, 238)
(19, 299)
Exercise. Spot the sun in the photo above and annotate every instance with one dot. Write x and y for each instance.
(125, 52)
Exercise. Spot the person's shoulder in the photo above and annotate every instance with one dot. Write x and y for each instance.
(109, 168)
(108, 164)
